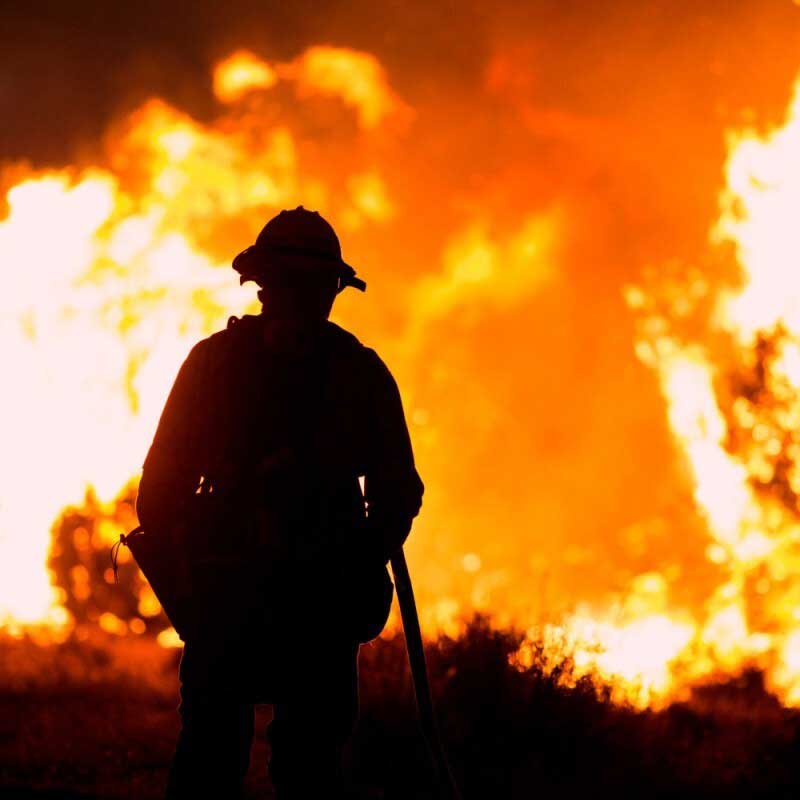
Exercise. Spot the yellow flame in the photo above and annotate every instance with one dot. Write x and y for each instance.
(631, 646)
(475, 266)
(752, 617)
(239, 74)
(759, 216)
(120, 269)
(357, 78)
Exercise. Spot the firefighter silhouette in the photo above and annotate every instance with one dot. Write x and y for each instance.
(251, 497)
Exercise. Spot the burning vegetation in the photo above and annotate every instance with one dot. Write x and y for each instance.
(668, 455)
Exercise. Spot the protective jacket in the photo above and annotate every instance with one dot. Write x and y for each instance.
(257, 456)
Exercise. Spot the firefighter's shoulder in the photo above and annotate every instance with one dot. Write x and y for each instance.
(236, 327)
(366, 361)
(217, 347)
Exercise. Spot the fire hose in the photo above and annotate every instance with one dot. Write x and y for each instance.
(419, 675)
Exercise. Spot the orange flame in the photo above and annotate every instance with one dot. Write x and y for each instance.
(122, 267)
(752, 616)
(358, 79)
(240, 73)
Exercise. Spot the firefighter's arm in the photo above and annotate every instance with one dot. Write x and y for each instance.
(171, 470)
(392, 487)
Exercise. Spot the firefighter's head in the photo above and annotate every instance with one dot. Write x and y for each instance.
(297, 262)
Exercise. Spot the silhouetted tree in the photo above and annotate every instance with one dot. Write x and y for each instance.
(80, 563)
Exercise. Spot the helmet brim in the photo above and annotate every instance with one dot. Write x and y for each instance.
(254, 265)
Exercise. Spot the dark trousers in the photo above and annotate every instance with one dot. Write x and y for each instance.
(315, 704)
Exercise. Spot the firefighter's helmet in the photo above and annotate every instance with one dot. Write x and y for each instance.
(294, 241)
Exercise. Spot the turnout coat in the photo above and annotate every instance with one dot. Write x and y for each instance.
(252, 489)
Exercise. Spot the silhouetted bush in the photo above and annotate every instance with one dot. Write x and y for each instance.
(511, 731)
(80, 563)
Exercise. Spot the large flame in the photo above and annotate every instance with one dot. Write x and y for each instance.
(731, 390)
(121, 266)
(116, 273)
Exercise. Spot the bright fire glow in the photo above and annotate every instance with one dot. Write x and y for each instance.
(358, 79)
(739, 441)
(119, 268)
(240, 73)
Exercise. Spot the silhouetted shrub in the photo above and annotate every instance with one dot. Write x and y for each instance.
(80, 563)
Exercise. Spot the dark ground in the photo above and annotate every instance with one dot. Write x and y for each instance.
(97, 719)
